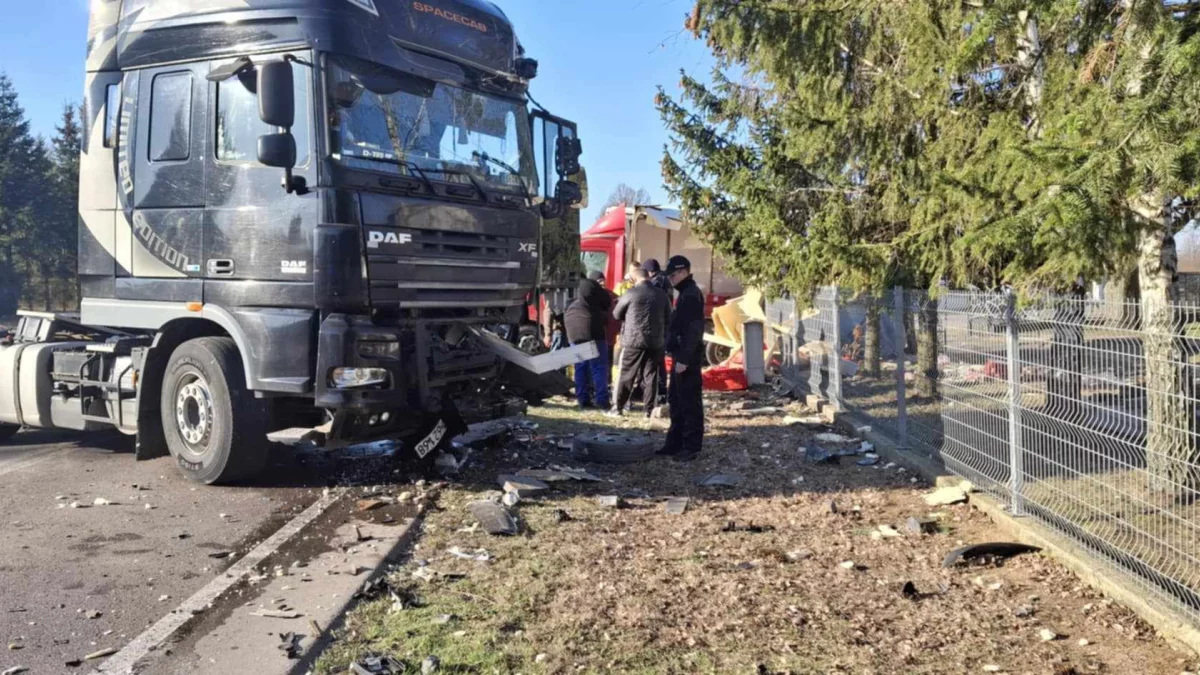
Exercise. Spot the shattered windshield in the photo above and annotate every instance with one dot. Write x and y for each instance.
(382, 116)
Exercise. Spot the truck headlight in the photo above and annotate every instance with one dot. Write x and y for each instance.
(356, 378)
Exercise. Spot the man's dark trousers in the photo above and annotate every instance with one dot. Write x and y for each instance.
(687, 413)
(639, 367)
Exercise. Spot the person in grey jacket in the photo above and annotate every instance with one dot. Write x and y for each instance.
(646, 311)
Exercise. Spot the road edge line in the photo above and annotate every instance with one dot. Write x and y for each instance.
(123, 662)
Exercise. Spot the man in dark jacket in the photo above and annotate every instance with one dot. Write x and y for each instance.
(685, 345)
(660, 280)
(646, 311)
(657, 278)
(586, 320)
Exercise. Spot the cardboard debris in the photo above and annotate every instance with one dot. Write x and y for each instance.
(946, 496)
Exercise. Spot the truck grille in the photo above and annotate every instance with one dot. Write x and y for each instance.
(422, 269)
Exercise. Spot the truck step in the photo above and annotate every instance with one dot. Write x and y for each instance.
(295, 435)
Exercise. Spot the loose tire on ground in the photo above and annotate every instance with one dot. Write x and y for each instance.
(7, 431)
(717, 354)
(215, 428)
(615, 448)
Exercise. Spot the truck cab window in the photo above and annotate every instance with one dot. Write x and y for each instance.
(112, 113)
(171, 117)
(238, 124)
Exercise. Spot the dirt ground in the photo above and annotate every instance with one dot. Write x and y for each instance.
(799, 586)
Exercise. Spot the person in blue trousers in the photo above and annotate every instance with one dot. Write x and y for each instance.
(587, 321)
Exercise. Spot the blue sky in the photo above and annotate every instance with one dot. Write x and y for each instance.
(600, 64)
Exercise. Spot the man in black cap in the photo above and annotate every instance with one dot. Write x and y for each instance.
(685, 345)
(645, 311)
(587, 321)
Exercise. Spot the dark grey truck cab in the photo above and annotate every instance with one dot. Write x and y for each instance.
(305, 217)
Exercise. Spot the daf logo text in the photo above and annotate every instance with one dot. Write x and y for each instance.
(374, 239)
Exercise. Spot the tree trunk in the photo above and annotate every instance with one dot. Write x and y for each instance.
(1172, 459)
(927, 349)
(871, 339)
(1064, 383)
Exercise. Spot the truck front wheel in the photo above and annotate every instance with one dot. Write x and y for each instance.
(215, 428)
(7, 431)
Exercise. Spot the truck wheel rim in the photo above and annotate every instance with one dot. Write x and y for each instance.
(194, 410)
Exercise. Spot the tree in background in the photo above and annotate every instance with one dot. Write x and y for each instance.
(624, 194)
(38, 206)
(1038, 143)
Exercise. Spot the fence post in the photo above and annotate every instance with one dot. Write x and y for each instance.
(835, 369)
(752, 353)
(1015, 460)
(901, 362)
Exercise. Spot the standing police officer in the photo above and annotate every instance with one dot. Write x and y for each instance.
(685, 345)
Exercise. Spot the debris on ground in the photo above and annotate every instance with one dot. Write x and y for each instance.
(819, 455)
(1047, 635)
(888, 532)
(377, 665)
(556, 474)
(493, 518)
(677, 506)
(833, 437)
(101, 501)
(869, 460)
(447, 463)
(430, 665)
(364, 505)
(751, 528)
(277, 614)
(808, 421)
(947, 496)
(919, 526)
(478, 555)
(562, 516)
(289, 644)
(15, 670)
(523, 486)
(100, 654)
(510, 499)
(719, 480)
(609, 501)
(799, 554)
(94, 614)
(986, 554)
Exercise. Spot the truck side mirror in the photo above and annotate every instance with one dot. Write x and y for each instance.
(567, 156)
(277, 150)
(277, 94)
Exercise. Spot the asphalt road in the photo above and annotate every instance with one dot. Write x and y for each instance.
(77, 580)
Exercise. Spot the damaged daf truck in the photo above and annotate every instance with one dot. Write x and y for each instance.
(302, 220)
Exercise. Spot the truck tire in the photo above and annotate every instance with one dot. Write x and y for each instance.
(216, 430)
(614, 448)
(717, 354)
(7, 431)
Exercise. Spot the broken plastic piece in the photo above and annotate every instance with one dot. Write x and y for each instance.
(989, 552)
(493, 518)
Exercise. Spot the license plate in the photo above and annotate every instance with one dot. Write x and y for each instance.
(432, 440)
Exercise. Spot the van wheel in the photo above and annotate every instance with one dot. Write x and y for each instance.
(717, 354)
(7, 431)
(216, 430)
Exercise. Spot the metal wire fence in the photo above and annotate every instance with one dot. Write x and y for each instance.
(1080, 412)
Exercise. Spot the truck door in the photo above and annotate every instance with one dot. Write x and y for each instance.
(559, 249)
(254, 230)
(167, 159)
